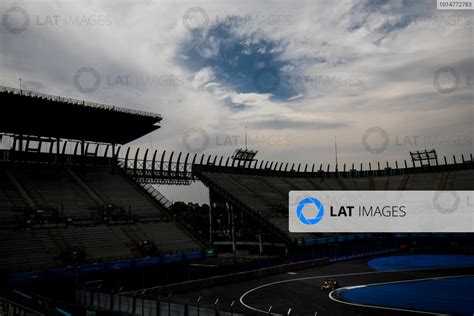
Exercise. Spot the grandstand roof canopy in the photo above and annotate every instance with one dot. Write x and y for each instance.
(30, 113)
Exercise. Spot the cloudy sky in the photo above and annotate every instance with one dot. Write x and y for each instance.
(383, 77)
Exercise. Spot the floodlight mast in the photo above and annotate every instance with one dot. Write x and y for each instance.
(244, 155)
(425, 157)
(245, 137)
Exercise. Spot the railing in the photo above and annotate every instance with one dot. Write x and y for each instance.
(183, 168)
(145, 305)
(78, 102)
(157, 195)
(9, 307)
(159, 300)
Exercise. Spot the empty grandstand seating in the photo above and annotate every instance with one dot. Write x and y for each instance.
(119, 191)
(55, 189)
(37, 248)
(268, 195)
(79, 194)
(75, 193)
(12, 204)
(167, 237)
(26, 250)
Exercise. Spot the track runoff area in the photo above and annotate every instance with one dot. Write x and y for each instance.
(394, 285)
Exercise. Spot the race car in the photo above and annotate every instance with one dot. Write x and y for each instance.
(329, 285)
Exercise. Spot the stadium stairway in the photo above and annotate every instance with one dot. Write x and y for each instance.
(161, 202)
(96, 196)
(19, 188)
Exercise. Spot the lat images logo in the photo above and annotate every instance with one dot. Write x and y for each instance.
(310, 221)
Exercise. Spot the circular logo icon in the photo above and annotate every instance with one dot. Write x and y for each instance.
(319, 206)
(454, 83)
(440, 202)
(12, 27)
(195, 18)
(191, 136)
(90, 71)
(375, 13)
(374, 149)
(267, 80)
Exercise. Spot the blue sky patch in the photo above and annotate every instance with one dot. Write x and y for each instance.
(246, 63)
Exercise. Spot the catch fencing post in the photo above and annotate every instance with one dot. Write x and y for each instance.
(269, 310)
(112, 301)
(198, 300)
(169, 304)
(232, 308)
(215, 307)
(289, 311)
(158, 306)
(119, 302)
(186, 311)
(120, 299)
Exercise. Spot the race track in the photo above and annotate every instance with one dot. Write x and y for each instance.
(300, 290)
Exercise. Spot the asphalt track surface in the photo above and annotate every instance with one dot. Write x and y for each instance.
(301, 290)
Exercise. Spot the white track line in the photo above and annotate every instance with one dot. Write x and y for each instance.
(333, 294)
(327, 276)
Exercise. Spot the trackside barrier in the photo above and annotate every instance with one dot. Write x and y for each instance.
(143, 306)
(260, 273)
(149, 304)
(367, 254)
(235, 277)
(89, 269)
(9, 307)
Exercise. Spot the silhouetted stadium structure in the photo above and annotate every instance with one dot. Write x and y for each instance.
(75, 202)
(61, 209)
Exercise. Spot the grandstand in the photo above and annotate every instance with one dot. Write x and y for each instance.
(70, 209)
(75, 204)
(264, 193)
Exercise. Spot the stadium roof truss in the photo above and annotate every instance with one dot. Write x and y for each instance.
(28, 113)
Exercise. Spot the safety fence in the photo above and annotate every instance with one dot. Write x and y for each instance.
(9, 307)
(234, 277)
(157, 300)
(144, 306)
